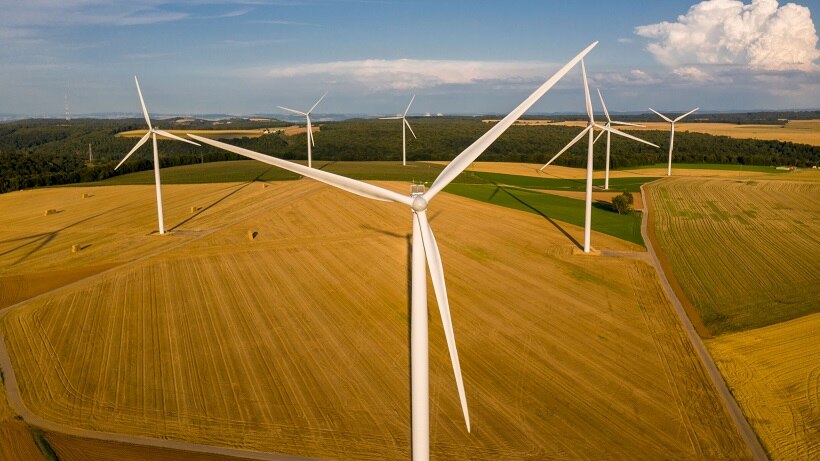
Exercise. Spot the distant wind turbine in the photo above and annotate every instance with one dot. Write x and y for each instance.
(153, 132)
(310, 141)
(672, 133)
(588, 130)
(609, 123)
(404, 123)
(425, 254)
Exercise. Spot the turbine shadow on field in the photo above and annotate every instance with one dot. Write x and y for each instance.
(43, 239)
(204, 209)
(540, 213)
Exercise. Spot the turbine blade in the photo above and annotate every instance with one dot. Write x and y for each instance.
(621, 133)
(142, 103)
(627, 124)
(466, 157)
(408, 105)
(351, 185)
(297, 112)
(317, 103)
(586, 92)
(606, 112)
(661, 115)
(310, 131)
(571, 143)
(173, 136)
(684, 115)
(411, 128)
(437, 276)
(597, 137)
(142, 141)
(390, 118)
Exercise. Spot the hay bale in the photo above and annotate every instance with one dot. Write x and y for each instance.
(252, 235)
(86, 195)
(194, 209)
(264, 186)
(50, 211)
(75, 248)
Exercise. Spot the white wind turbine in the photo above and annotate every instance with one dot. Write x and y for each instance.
(588, 130)
(425, 251)
(672, 133)
(609, 123)
(310, 142)
(153, 132)
(404, 123)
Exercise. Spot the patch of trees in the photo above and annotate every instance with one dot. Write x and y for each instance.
(49, 152)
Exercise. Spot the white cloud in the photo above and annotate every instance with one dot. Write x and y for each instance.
(760, 35)
(401, 74)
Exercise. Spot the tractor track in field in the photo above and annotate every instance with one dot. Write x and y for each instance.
(743, 427)
(16, 402)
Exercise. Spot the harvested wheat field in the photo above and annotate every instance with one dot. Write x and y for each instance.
(797, 131)
(69, 448)
(112, 226)
(296, 341)
(774, 373)
(744, 252)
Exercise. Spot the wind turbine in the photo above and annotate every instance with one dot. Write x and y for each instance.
(153, 132)
(310, 142)
(425, 252)
(672, 133)
(403, 135)
(609, 123)
(588, 130)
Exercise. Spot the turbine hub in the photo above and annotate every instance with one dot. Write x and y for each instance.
(419, 204)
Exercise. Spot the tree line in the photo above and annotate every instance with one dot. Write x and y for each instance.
(37, 153)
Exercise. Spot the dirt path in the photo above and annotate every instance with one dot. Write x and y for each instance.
(742, 424)
(13, 392)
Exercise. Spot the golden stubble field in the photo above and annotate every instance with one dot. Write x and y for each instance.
(297, 341)
(774, 373)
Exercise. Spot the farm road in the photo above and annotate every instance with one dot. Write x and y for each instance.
(743, 426)
(13, 391)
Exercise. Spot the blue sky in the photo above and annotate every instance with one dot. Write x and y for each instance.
(248, 56)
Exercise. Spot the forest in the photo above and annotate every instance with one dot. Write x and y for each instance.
(46, 152)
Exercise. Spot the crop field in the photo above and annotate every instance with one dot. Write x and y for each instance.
(744, 252)
(797, 131)
(296, 341)
(16, 441)
(554, 207)
(774, 373)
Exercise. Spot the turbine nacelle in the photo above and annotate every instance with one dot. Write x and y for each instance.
(419, 204)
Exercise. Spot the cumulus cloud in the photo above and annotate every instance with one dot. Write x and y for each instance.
(761, 35)
(402, 74)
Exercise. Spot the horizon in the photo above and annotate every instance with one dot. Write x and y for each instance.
(371, 56)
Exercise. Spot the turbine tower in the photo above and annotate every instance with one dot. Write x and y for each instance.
(672, 133)
(609, 123)
(404, 123)
(67, 111)
(153, 132)
(425, 255)
(310, 142)
(588, 130)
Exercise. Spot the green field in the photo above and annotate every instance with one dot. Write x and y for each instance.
(745, 253)
(554, 207)
(531, 182)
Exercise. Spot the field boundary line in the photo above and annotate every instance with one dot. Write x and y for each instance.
(743, 427)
